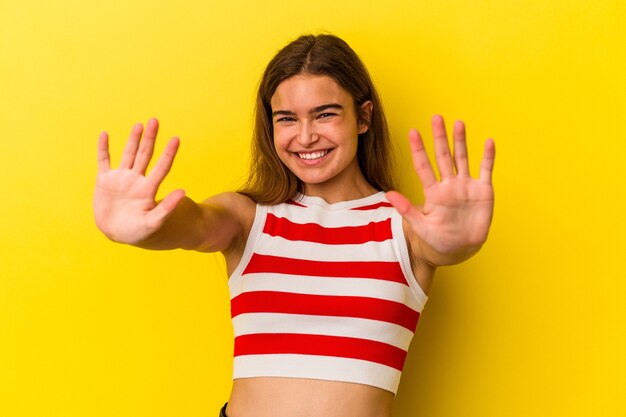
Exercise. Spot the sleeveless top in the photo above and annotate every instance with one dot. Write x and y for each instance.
(325, 291)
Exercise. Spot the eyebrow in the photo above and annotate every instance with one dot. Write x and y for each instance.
(314, 110)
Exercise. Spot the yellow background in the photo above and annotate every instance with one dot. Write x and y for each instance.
(534, 325)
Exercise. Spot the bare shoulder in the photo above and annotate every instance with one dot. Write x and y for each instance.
(238, 205)
(229, 216)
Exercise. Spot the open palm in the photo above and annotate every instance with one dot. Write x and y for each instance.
(124, 199)
(457, 210)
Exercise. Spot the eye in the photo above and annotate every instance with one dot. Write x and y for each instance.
(326, 115)
(285, 119)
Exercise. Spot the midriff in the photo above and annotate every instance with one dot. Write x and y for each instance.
(300, 397)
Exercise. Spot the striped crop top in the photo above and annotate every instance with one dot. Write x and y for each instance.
(325, 291)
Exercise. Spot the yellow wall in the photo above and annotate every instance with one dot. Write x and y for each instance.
(532, 326)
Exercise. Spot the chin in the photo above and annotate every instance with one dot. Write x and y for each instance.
(311, 181)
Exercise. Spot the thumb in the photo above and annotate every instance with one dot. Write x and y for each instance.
(162, 210)
(408, 211)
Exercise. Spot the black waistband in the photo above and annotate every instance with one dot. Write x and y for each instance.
(223, 411)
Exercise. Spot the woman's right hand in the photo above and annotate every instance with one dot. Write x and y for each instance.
(124, 203)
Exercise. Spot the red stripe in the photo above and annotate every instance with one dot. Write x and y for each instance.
(307, 344)
(325, 305)
(373, 206)
(295, 203)
(312, 232)
(269, 264)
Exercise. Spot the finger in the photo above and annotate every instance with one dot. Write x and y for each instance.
(163, 165)
(460, 149)
(409, 212)
(489, 158)
(442, 150)
(104, 159)
(157, 215)
(420, 160)
(146, 146)
(130, 151)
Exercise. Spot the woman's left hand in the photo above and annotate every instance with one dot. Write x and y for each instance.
(454, 221)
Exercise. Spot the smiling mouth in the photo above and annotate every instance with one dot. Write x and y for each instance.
(309, 156)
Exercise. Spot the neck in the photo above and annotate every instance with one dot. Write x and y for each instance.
(332, 192)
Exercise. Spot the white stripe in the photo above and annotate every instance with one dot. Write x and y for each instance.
(389, 333)
(256, 231)
(357, 287)
(317, 367)
(322, 217)
(370, 251)
(312, 201)
(400, 246)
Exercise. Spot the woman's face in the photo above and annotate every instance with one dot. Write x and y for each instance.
(316, 131)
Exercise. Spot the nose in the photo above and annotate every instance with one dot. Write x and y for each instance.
(307, 135)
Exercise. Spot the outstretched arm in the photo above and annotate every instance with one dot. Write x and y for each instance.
(126, 211)
(454, 220)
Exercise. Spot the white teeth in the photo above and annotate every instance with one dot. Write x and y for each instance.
(312, 155)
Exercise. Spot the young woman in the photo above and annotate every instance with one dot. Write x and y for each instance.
(328, 267)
